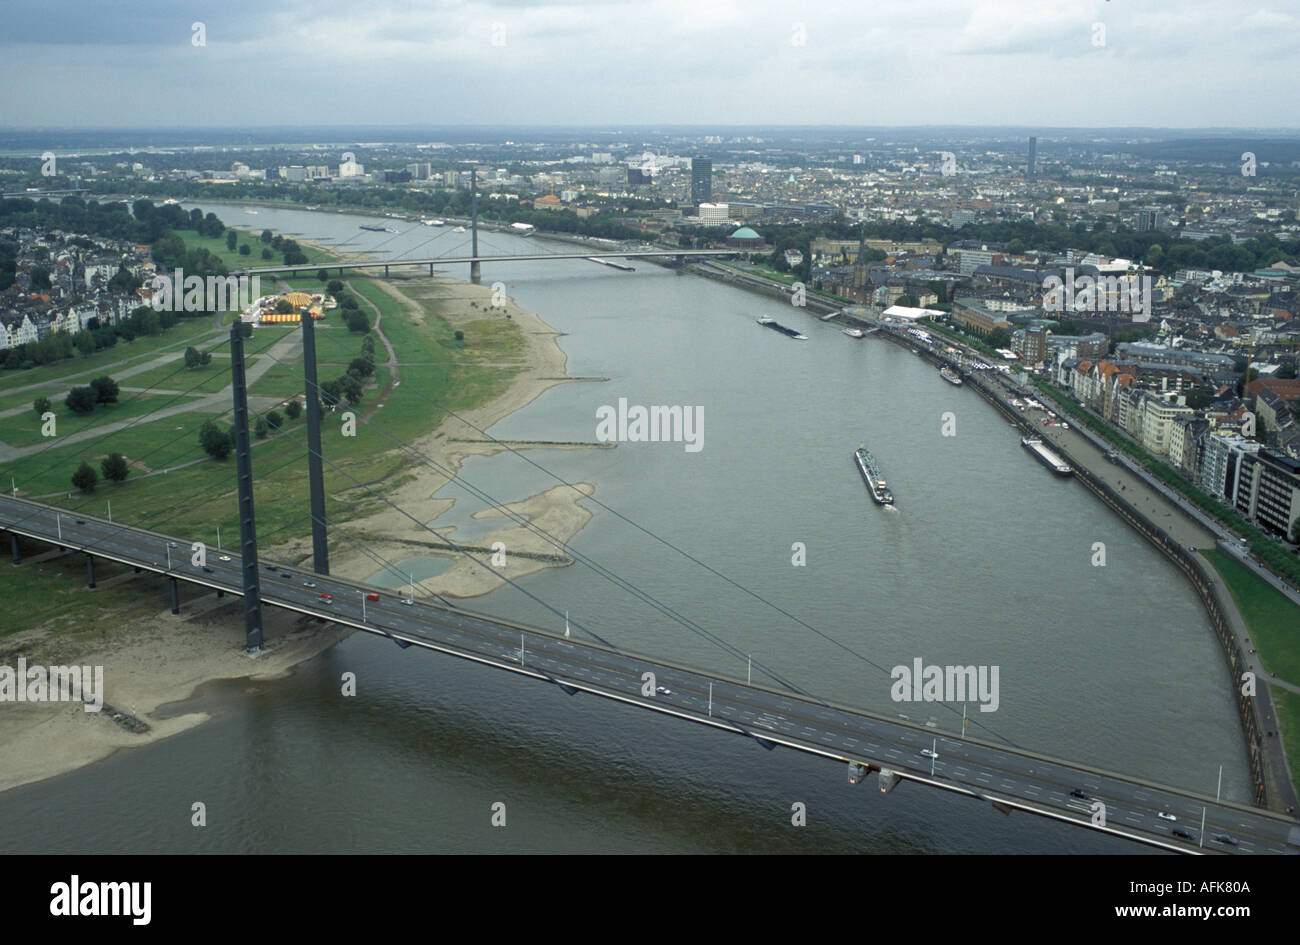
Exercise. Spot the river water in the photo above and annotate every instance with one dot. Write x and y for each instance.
(986, 560)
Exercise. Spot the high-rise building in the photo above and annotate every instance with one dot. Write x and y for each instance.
(701, 180)
(1033, 159)
(1151, 220)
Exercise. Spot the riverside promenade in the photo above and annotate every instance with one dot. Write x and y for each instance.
(1179, 531)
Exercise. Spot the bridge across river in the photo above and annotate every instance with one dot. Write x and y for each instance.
(1010, 779)
(433, 261)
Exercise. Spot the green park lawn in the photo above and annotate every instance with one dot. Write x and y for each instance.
(1274, 621)
(25, 429)
(106, 361)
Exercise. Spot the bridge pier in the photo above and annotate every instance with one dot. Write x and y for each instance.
(475, 273)
(888, 780)
(13, 547)
(385, 272)
(176, 596)
(220, 593)
(90, 571)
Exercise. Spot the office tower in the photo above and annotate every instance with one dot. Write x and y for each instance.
(701, 180)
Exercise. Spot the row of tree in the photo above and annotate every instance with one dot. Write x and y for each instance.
(114, 468)
(83, 400)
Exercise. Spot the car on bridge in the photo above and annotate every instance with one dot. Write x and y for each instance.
(1165, 815)
(1182, 834)
(327, 598)
(372, 596)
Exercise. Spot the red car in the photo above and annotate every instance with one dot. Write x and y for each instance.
(372, 597)
(327, 598)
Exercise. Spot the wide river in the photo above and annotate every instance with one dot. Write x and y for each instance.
(986, 559)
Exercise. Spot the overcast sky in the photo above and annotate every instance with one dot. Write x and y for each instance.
(134, 63)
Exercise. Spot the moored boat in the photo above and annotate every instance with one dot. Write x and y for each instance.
(777, 326)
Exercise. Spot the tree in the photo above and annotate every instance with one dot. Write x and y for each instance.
(215, 441)
(356, 320)
(114, 467)
(80, 400)
(293, 409)
(85, 342)
(85, 477)
(331, 393)
(267, 254)
(908, 300)
(351, 387)
(361, 367)
(259, 428)
(244, 250)
(106, 390)
(460, 335)
(335, 287)
(192, 357)
(1295, 531)
(283, 306)
(40, 278)
(41, 404)
(322, 275)
(998, 338)
(266, 236)
(231, 239)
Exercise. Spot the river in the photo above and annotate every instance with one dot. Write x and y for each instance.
(986, 559)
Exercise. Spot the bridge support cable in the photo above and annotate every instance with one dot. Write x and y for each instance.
(620, 582)
(456, 547)
(361, 546)
(244, 478)
(690, 557)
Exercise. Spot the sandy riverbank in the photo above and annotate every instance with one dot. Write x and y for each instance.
(147, 663)
(158, 659)
(556, 510)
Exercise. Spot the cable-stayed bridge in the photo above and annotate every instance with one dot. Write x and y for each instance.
(772, 711)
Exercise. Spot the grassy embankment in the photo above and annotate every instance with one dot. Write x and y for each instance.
(192, 500)
(1274, 626)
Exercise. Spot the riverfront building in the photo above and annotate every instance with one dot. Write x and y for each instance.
(1269, 491)
(701, 180)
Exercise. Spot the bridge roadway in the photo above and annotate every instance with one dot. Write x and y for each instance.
(386, 264)
(1008, 778)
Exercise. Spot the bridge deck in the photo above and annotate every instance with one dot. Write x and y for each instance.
(453, 260)
(1007, 777)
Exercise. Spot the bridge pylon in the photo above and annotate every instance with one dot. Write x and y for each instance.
(475, 272)
(244, 477)
(315, 479)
